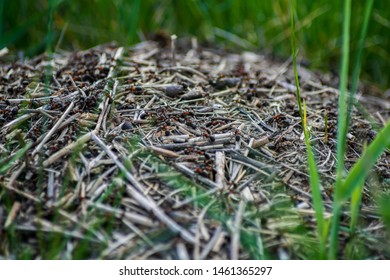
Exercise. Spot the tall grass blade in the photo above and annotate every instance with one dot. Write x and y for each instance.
(315, 186)
(384, 209)
(294, 55)
(357, 194)
(361, 168)
(358, 63)
(341, 129)
(133, 21)
(342, 106)
(356, 199)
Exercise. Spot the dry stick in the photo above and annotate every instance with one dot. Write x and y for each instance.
(12, 214)
(19, 120)
(108, 151)
(112, 97)
(194, 198)
(115, 245)
(235, 243)
(182, 146)
(85, 138)
(22, 193)
(197, 177)
(50, 188)
(79, 89)
(42, 111)
(45, 225)
(182, 251)
(144, 200)
(220, 161)
(201, 229)
(74, 219)
(164, 152)
(53, 129)
(188, 69)
(138, 232)
(238, 167)
(173, 49)
(133, 217)
(65, 150)
(62, 98)
(16, 174)
(211, 244)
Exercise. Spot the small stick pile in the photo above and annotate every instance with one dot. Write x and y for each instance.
(171, 153)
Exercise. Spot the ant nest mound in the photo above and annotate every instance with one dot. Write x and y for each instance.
(182, 146)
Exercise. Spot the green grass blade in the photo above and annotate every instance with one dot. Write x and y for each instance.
(8, 163)
(357, 194)
(342, 106)
(362, 167)
(358, 63)
(384, 209)
(315, 187)
(355, 206)
(341, 129)
(294, 55)
(133, 21)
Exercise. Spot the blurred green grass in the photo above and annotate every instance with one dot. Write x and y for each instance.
(262, 25)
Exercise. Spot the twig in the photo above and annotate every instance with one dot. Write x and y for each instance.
(235, 243)
(220, 169)
(53, 129)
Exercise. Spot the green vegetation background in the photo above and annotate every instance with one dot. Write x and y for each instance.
(32, 25)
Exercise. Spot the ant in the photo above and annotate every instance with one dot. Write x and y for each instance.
(237, 134)
(5, 100)
(186, 113)
(136, 89)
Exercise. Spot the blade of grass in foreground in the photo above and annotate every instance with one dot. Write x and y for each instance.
(358, 63)
(4, 165)
(362, 167)
(357, 194)
(341, 129)
(315, 187)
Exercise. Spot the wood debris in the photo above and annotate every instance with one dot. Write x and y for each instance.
(172, 153)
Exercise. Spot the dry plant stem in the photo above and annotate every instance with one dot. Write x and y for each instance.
(146, 202)
(220, 162)
(67, 149)
(108, 151)
(201, 229)
(235, 243)
(18, 121)
(197, 120)
(79, 89)
(164, 152)
(133, 217)
(173, 49)
(210, 245)
(199, 178)
(22, 193)
(108, 106)
(85, 138)
(53, 129)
